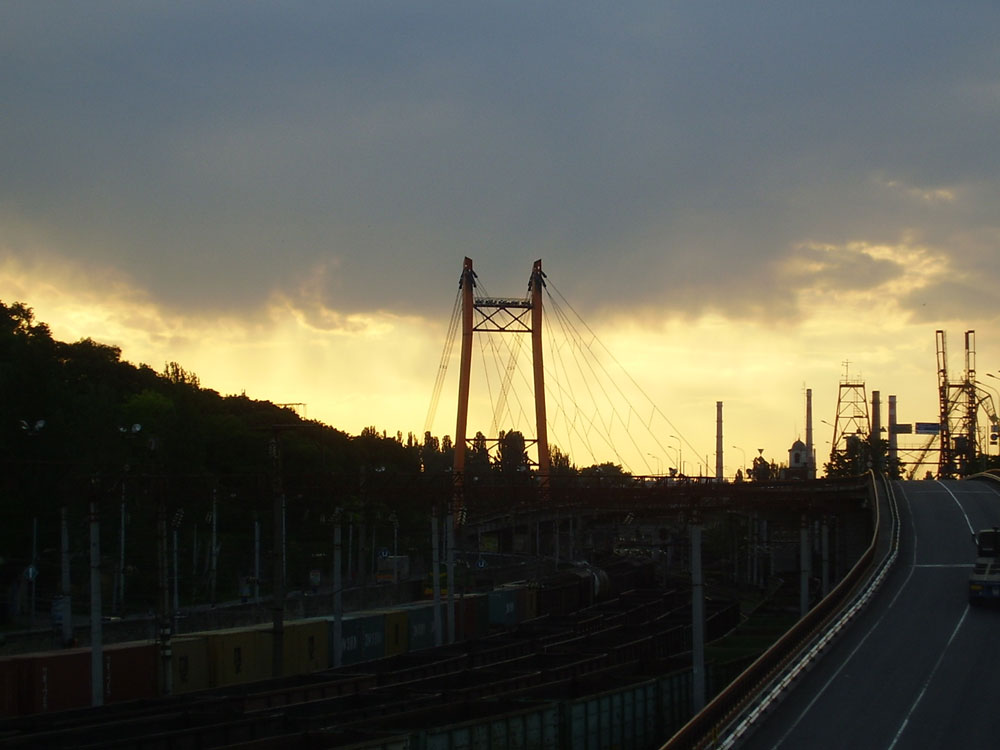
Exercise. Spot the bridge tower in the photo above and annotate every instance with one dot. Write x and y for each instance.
(507, 315)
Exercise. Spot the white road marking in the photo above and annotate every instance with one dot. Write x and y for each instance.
(871, 630)
(967, 523)
(930, 677)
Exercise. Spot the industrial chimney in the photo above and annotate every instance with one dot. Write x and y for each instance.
(718, 441)
(810, 448)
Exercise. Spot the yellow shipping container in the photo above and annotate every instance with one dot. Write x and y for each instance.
(238, 655)
(189, 663)
(397, 634)
(306, 646)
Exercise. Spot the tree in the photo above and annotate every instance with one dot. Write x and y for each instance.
(511, 454)
(559, 463)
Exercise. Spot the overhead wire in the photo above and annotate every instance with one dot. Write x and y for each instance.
(442, 371)
(654, 408)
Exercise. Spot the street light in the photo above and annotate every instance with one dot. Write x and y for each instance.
(680, 458)
(744, 457)
(659, 470)
(993, 424)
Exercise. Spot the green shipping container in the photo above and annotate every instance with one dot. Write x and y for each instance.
(503, 607)
(420, 624)
(362, 637)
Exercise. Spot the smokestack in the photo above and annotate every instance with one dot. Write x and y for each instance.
(876, 417)
(718, 441)
(893, 447)
(810, 449)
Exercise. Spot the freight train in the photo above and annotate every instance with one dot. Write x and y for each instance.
(60, 680)
(587, 671)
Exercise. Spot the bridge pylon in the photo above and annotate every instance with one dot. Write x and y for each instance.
(505, 315)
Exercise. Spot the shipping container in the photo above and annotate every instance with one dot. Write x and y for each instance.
(503, 607)
(306, 646)
(189, 663)
(420, 624)
(53, 680)
(397, 634)
(472, 616)
(8, 687)
(131, 671)
(238, 655)
(362, 637)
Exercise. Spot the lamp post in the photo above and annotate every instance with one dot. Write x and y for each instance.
(32, 429)
(680, 458)
(744, 453)
(659, 470)
(993, 424)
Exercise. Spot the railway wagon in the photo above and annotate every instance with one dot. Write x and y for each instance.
(420, 624)
(60, 680)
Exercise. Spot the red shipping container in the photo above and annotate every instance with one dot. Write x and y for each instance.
(53, 680)
(8, 687)
(131, 671)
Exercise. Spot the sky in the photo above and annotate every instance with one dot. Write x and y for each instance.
(741, 200)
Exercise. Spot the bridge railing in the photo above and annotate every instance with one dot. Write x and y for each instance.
(704, 729)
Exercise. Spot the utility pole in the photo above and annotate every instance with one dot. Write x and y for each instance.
(121, 555)
(34, 565)
(96, 650)
(804, 567)
(338, 602)
(213, 553)
(278, 567)
(435, 577)
(697, 619)
(165, 618)
(178, 517)
(256, 559)
(67, 603)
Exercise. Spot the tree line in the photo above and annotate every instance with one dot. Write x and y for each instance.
(79, 424)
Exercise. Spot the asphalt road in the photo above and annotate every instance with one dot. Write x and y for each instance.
(920, 668)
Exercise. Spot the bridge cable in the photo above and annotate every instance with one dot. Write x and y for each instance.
(449, 344)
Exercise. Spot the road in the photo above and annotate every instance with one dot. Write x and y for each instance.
(920, 668)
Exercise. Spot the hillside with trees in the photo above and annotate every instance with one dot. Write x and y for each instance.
(158, 452)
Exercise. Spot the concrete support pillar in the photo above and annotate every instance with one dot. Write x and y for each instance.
(338, 599)
(697, 620)
(825, 542)
(450, 550)
(804, 565)
(96, 651)
(436, 577)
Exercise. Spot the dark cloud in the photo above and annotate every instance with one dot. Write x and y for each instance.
(652, 155)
